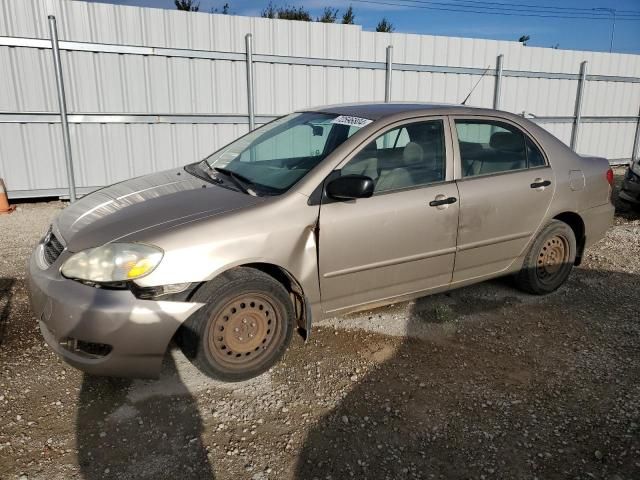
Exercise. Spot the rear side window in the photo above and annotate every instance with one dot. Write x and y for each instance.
(488, 147)
(534, 155)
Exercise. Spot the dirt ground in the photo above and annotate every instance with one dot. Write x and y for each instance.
(483, 382)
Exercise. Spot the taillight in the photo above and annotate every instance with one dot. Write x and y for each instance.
(610, 176)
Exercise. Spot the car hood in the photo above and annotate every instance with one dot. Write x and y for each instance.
(135, 205)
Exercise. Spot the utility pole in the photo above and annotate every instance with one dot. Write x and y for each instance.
(612, 11)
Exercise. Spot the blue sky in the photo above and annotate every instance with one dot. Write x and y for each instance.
(568, 33)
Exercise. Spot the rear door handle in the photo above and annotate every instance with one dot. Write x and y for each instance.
(442, 201)
(539, 183)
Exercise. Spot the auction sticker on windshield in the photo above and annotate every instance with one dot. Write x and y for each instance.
(351, 121)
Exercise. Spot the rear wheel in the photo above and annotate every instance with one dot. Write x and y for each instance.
(244, 328)
(549, 261)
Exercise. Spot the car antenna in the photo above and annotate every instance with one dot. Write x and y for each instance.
(474, 87)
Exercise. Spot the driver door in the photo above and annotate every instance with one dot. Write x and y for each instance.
(402, 240)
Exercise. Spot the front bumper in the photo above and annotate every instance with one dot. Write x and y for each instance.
(137, 331)
(630, 190)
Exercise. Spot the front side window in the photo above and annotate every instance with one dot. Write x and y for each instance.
(488, 146)
(397, 138)
(271, 159)
(404, 157)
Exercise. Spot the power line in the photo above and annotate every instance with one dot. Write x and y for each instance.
(520, 6)
(465, 9)
(507, 10)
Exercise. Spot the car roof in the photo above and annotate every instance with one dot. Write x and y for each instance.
(378, 110)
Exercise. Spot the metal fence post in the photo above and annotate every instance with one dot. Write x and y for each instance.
(498, 84)
(387, 80)
(249, 41)
(635, 154)
(578, 110)
(62, 103)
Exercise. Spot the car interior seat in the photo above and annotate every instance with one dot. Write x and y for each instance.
(431, 169)
(506, 152)
(365, 163)
(471, 154)
(400, 177)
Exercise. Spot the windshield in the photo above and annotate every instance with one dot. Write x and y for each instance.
(271, 159)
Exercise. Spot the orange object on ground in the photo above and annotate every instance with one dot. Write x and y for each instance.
(4, 200)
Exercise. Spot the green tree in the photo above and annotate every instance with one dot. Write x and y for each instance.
(269, 12)
(385, 25)
(187, 5)
(348, 17)
(286, 12)
(329, 15)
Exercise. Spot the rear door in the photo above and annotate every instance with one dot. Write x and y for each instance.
(402, 239)
(506, 187)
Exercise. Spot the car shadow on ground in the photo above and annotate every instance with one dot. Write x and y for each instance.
(132, 429)
(6, 287)
(139, 429)
(490, 400)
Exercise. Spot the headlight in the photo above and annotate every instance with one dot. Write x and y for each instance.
(635, 167)
(114, 262)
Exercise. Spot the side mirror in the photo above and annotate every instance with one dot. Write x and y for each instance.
(350, 187)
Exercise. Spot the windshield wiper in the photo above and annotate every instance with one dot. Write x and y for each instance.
(240, 181)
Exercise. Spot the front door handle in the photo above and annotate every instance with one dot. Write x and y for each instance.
(539, 183)
(440, 200)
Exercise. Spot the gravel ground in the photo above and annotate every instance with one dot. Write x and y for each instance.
(483, 382)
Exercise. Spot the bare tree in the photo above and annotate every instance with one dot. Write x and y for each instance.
(385, 25)
(187, 5)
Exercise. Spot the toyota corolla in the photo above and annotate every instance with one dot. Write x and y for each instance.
(316, 214)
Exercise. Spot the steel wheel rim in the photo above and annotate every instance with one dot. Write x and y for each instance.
(551, 258)
(243, 332)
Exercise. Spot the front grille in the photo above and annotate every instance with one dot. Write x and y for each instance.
(52, 249)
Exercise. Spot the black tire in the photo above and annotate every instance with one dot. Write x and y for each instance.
(625, 206)
(244, 328)
(549, 260)
(632, 206)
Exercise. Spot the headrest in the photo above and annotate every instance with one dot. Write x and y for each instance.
(507, 142)
(470, 148)
(412, 153)
(370, 150)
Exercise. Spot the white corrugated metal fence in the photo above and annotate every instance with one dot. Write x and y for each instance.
(149, 89)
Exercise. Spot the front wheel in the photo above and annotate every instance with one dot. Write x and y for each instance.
(549, 261)
(244, 328)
